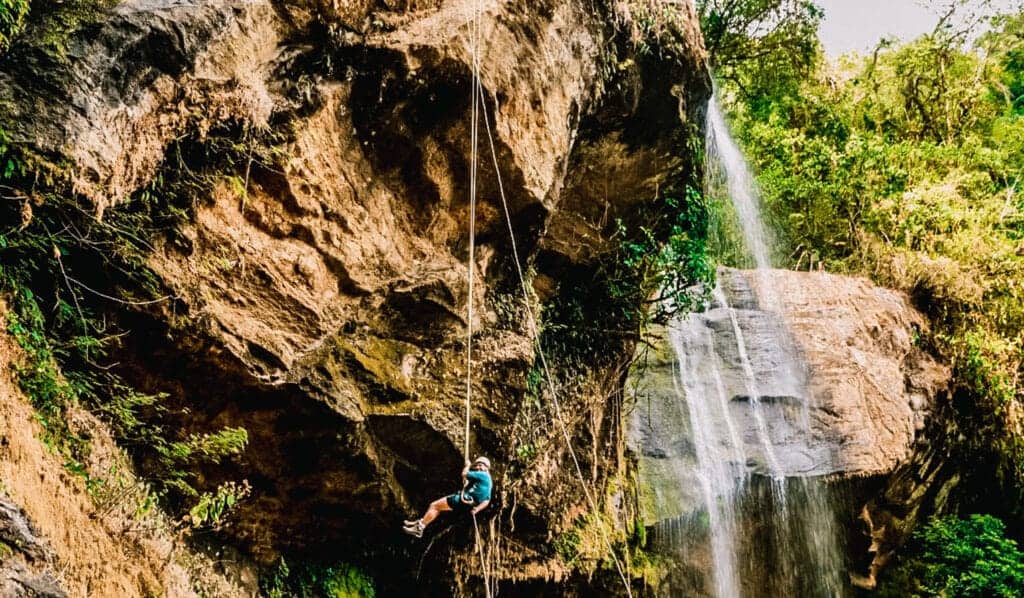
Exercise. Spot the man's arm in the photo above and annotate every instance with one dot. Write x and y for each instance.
(481, 506)
(465, 470)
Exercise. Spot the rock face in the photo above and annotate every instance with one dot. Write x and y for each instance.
(318, 296)
(872, 384)
(25, 558)
(853, 350)
(838, 357)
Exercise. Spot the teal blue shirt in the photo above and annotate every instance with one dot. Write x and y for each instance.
(479, 486)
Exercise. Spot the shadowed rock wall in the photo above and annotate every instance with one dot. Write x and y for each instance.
(318, 296)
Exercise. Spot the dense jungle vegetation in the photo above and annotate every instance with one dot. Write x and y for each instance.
(904, 164)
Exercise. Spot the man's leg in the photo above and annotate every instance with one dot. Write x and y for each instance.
(436, 508)
(415, 528)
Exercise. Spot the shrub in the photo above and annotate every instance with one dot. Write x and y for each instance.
(12, 19)
(339, 580)
(966, 558)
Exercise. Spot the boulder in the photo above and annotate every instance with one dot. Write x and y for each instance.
(788, 416)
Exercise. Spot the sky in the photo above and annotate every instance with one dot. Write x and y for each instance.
(859, 24)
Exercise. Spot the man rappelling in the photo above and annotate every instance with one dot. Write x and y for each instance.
(473, 498)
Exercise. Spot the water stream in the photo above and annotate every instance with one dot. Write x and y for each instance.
(721, 470)
(769, 525)
(725, 163)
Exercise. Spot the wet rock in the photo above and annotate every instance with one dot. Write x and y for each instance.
(26, 560)
(841, 354)
(836, 383)
(872, 384)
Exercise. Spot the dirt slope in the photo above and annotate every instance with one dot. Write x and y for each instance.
(95, 550)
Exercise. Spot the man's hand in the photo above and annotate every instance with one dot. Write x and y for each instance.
(480, 507)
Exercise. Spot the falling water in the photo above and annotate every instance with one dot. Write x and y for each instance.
(750, 385)
(752, 444)
(726, 164)
(725, 158)
(720, 459)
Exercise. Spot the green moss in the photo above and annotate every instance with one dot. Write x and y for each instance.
(50, 25)
(339, 580)
(649, 568)
(382, 360)
(584, 546)
(638, 537)
(12, 19)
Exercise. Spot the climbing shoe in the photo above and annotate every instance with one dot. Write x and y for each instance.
(409, 522)
(416, 529)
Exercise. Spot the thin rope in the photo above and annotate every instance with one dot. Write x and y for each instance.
(474, 161)
(474, 141)
(534, 331)
(483, 562)
(494, 554)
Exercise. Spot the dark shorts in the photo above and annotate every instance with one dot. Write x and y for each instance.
(456, 503)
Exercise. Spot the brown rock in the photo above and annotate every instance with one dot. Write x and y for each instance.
(319, 296)
(872, 383)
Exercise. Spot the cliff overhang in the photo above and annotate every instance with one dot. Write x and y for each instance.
(309, 162)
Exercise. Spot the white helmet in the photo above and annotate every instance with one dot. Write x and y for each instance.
(483, 461)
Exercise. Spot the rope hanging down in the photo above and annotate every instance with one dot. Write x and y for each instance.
(474, 158)
(477, 105)
(474, 134)
(535, 332)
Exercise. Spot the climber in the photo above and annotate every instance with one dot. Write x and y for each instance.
(473, 498)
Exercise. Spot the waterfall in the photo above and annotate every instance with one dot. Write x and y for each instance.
(720, 457)
(750, 385)
(757, 461)
(725, 160)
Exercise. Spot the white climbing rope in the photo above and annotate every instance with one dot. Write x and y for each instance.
(474, 133)
(478, 540)
(535, 332)
(474, 161)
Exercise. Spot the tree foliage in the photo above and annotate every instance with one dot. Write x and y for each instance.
(1009, 42)
(967, 558)
(906, 164)
(780, 36)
